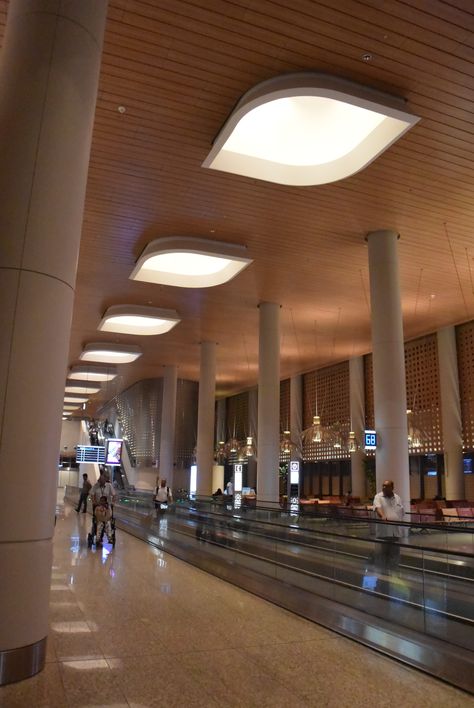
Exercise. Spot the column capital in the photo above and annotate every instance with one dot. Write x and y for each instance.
(382, 232)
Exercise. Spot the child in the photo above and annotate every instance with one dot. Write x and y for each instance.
(103, 514)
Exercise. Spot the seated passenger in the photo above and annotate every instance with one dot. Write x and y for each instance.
(103, 515)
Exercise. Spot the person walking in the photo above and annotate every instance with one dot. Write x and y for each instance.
(86, 488)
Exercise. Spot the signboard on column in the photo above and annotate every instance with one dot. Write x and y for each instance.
(294, 487)
(238, 481)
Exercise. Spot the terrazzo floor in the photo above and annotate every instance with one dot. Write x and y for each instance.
(136, 627)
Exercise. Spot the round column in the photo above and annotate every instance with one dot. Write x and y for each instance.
(357, 407)
(48, 87)
(168, 424)
(268, 447)
(451, 421)
(391, 457)
(206, 414)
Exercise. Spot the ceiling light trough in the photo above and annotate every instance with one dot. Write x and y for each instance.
(71, 398)
(138, 319)
(105, 353)
(190, 262)
(92, 373)
(82, 387)
(307, 129)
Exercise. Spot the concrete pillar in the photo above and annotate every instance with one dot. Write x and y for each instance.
(168, 424)
(451, 421)
(206, 412)
(391, 457)
(268, 404)
(48, 87)
(357, 407)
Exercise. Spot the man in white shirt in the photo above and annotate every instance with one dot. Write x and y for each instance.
(389, 509)
(102, 488)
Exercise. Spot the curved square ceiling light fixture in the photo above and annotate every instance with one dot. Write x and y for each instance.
(190, 262)
(138, 319)
(103, 353)
(70, 398)
(81, 387)
(307, 129)
(92, 373)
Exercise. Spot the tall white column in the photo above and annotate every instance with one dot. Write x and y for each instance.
(48, 86)
(451, 421)
(168, 423)
(268, 446)
(357, 406)
(206, 413)
(390, 405)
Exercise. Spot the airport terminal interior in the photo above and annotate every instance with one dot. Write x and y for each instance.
(237, 360)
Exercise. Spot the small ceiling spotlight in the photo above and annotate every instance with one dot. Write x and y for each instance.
(190, 262)
(307, 129)
(138, 319)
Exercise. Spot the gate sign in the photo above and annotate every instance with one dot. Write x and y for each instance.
(370, 439)
(294, 487)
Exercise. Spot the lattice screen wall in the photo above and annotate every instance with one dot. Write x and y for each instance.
(139, 412)
(465, 348)
(423, 394)
(237, 416)
(284, 405)
(284, 414)
(326, 393)
(186, 422)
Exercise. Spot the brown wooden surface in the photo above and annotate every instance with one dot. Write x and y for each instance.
(178, 68)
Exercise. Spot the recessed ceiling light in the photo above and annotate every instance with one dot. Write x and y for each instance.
(110, 353)
(307, 129)
(75, 399)
(190, 262)
(89, 373)
(138, 319)
(84, 387)
(71, 406)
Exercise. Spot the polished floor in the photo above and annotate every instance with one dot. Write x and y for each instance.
(135, 627)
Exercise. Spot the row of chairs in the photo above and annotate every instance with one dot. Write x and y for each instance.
(419, 514)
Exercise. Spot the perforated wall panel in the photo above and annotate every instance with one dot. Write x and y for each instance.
(326, 393)
(465, 348)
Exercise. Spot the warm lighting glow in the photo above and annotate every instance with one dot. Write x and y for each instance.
(189, 262)
(308, 129)
(110, 353)
(75, 399)
(85, 373)
(76, 387)
(136, 319)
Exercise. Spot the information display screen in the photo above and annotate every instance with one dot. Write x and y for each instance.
(90, 453)
(113, 455)
(370, 439)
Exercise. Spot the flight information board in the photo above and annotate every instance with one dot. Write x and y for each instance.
(90, 453)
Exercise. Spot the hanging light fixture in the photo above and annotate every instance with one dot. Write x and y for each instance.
(415, 435)
(287, 446)
(352, 442)
(248, 448)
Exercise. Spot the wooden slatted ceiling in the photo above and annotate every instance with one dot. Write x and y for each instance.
(178, 68)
